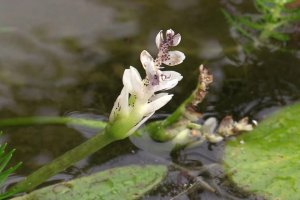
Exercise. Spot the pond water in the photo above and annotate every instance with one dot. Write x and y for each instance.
(67, 57)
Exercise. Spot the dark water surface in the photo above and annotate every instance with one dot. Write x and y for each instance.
(67, 57)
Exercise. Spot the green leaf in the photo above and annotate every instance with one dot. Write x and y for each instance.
(237, 24)
(268, 161)
(279, 36)
(129, 182)
(252, 24)
(2, 149)
(4, 174)
(5, 159)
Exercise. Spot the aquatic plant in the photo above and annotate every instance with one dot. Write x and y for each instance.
(274, 20)
(137, 102)
(138, 99)
(5, 157)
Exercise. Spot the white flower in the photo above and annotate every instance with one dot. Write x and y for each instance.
(170, 34)
(165, 56)
(138, 99)
(157, 79)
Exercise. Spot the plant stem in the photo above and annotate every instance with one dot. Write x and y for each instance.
(194, 99)
(174, 117)
(41, 120)
(157, 129)
(61, 163)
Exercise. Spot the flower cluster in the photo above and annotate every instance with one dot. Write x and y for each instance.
(139, 98)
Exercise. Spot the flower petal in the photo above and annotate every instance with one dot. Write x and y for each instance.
(171, 75)
(168, 80)
(159, 39)
(158, 103)
(170, 33)
(157, 96)
(133, 81)
(136, 81)
(175, 58)
(165, 85)
(124, 101)
(120, 105)
(127, 81)
(145, 58)
(176, 40)
(148, 63)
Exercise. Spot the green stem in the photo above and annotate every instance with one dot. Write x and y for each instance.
(41, 120)
(61, 163)
(174, 117)
(157, 129)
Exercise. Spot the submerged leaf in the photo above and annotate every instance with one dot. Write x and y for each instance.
(267, 161)
(129, 182)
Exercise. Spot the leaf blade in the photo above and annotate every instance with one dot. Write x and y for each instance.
(268, 161)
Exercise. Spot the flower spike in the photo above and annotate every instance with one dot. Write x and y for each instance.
(139, 98)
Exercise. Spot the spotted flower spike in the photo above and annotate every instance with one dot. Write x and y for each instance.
(140, 98)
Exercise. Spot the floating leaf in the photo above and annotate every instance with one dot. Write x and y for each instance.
(267, 162)
(129, 182)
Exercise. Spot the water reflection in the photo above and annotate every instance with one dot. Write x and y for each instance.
(61, 56)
